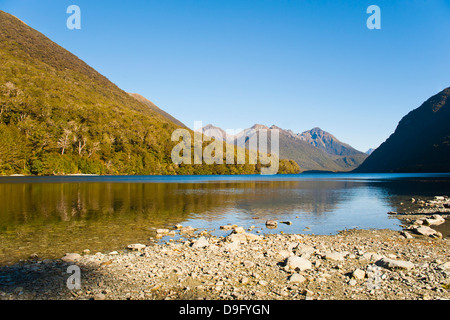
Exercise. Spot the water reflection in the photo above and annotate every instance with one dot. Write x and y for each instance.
(52, 218)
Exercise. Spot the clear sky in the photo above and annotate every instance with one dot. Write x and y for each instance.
(233, 63)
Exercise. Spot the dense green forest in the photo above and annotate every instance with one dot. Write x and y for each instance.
(60, 116)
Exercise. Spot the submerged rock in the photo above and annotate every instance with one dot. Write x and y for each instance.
(271, 223)
(136, 247)
(187, 229)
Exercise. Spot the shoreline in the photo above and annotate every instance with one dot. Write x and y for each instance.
(354, 264)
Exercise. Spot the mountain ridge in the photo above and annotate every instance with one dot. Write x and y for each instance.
(60, 116)
(308, 156)
(420, 143)
(154, 107)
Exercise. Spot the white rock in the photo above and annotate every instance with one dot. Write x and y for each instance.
(372, 256)
(359, 274)
(435, 221)
(444, 266)
(162, 231)
(71, 257)
(232, 246)
(297, 278)
(304, 250)
(425, 231)
(187, 229)
(99, 296)
(136, 246)
(237, 237)
(243, 237)
(298, 263)
(252, 237)
(407, 235)
(239, 230)
(336, 256)
(395, 264)
(271, 223)
(285, 253)
(200, 243)
(263, 282)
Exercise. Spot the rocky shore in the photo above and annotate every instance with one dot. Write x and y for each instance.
(354, 264)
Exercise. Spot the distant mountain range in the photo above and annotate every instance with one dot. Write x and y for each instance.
(369, 152)
(313, 150)
(420, 143)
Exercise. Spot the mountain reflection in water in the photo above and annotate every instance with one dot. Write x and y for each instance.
(51, 217)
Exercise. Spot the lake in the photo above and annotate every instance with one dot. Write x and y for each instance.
(54, 215)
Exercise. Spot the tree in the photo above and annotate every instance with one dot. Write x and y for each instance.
(93, 149)
(64, 141)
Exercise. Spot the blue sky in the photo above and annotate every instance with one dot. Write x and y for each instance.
(233, 63)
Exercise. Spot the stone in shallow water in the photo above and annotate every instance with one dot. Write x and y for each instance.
(71, 257)
(271, 223)
(187, 229)
(136, 246)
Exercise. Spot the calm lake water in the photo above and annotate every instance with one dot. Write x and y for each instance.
(54, 215)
